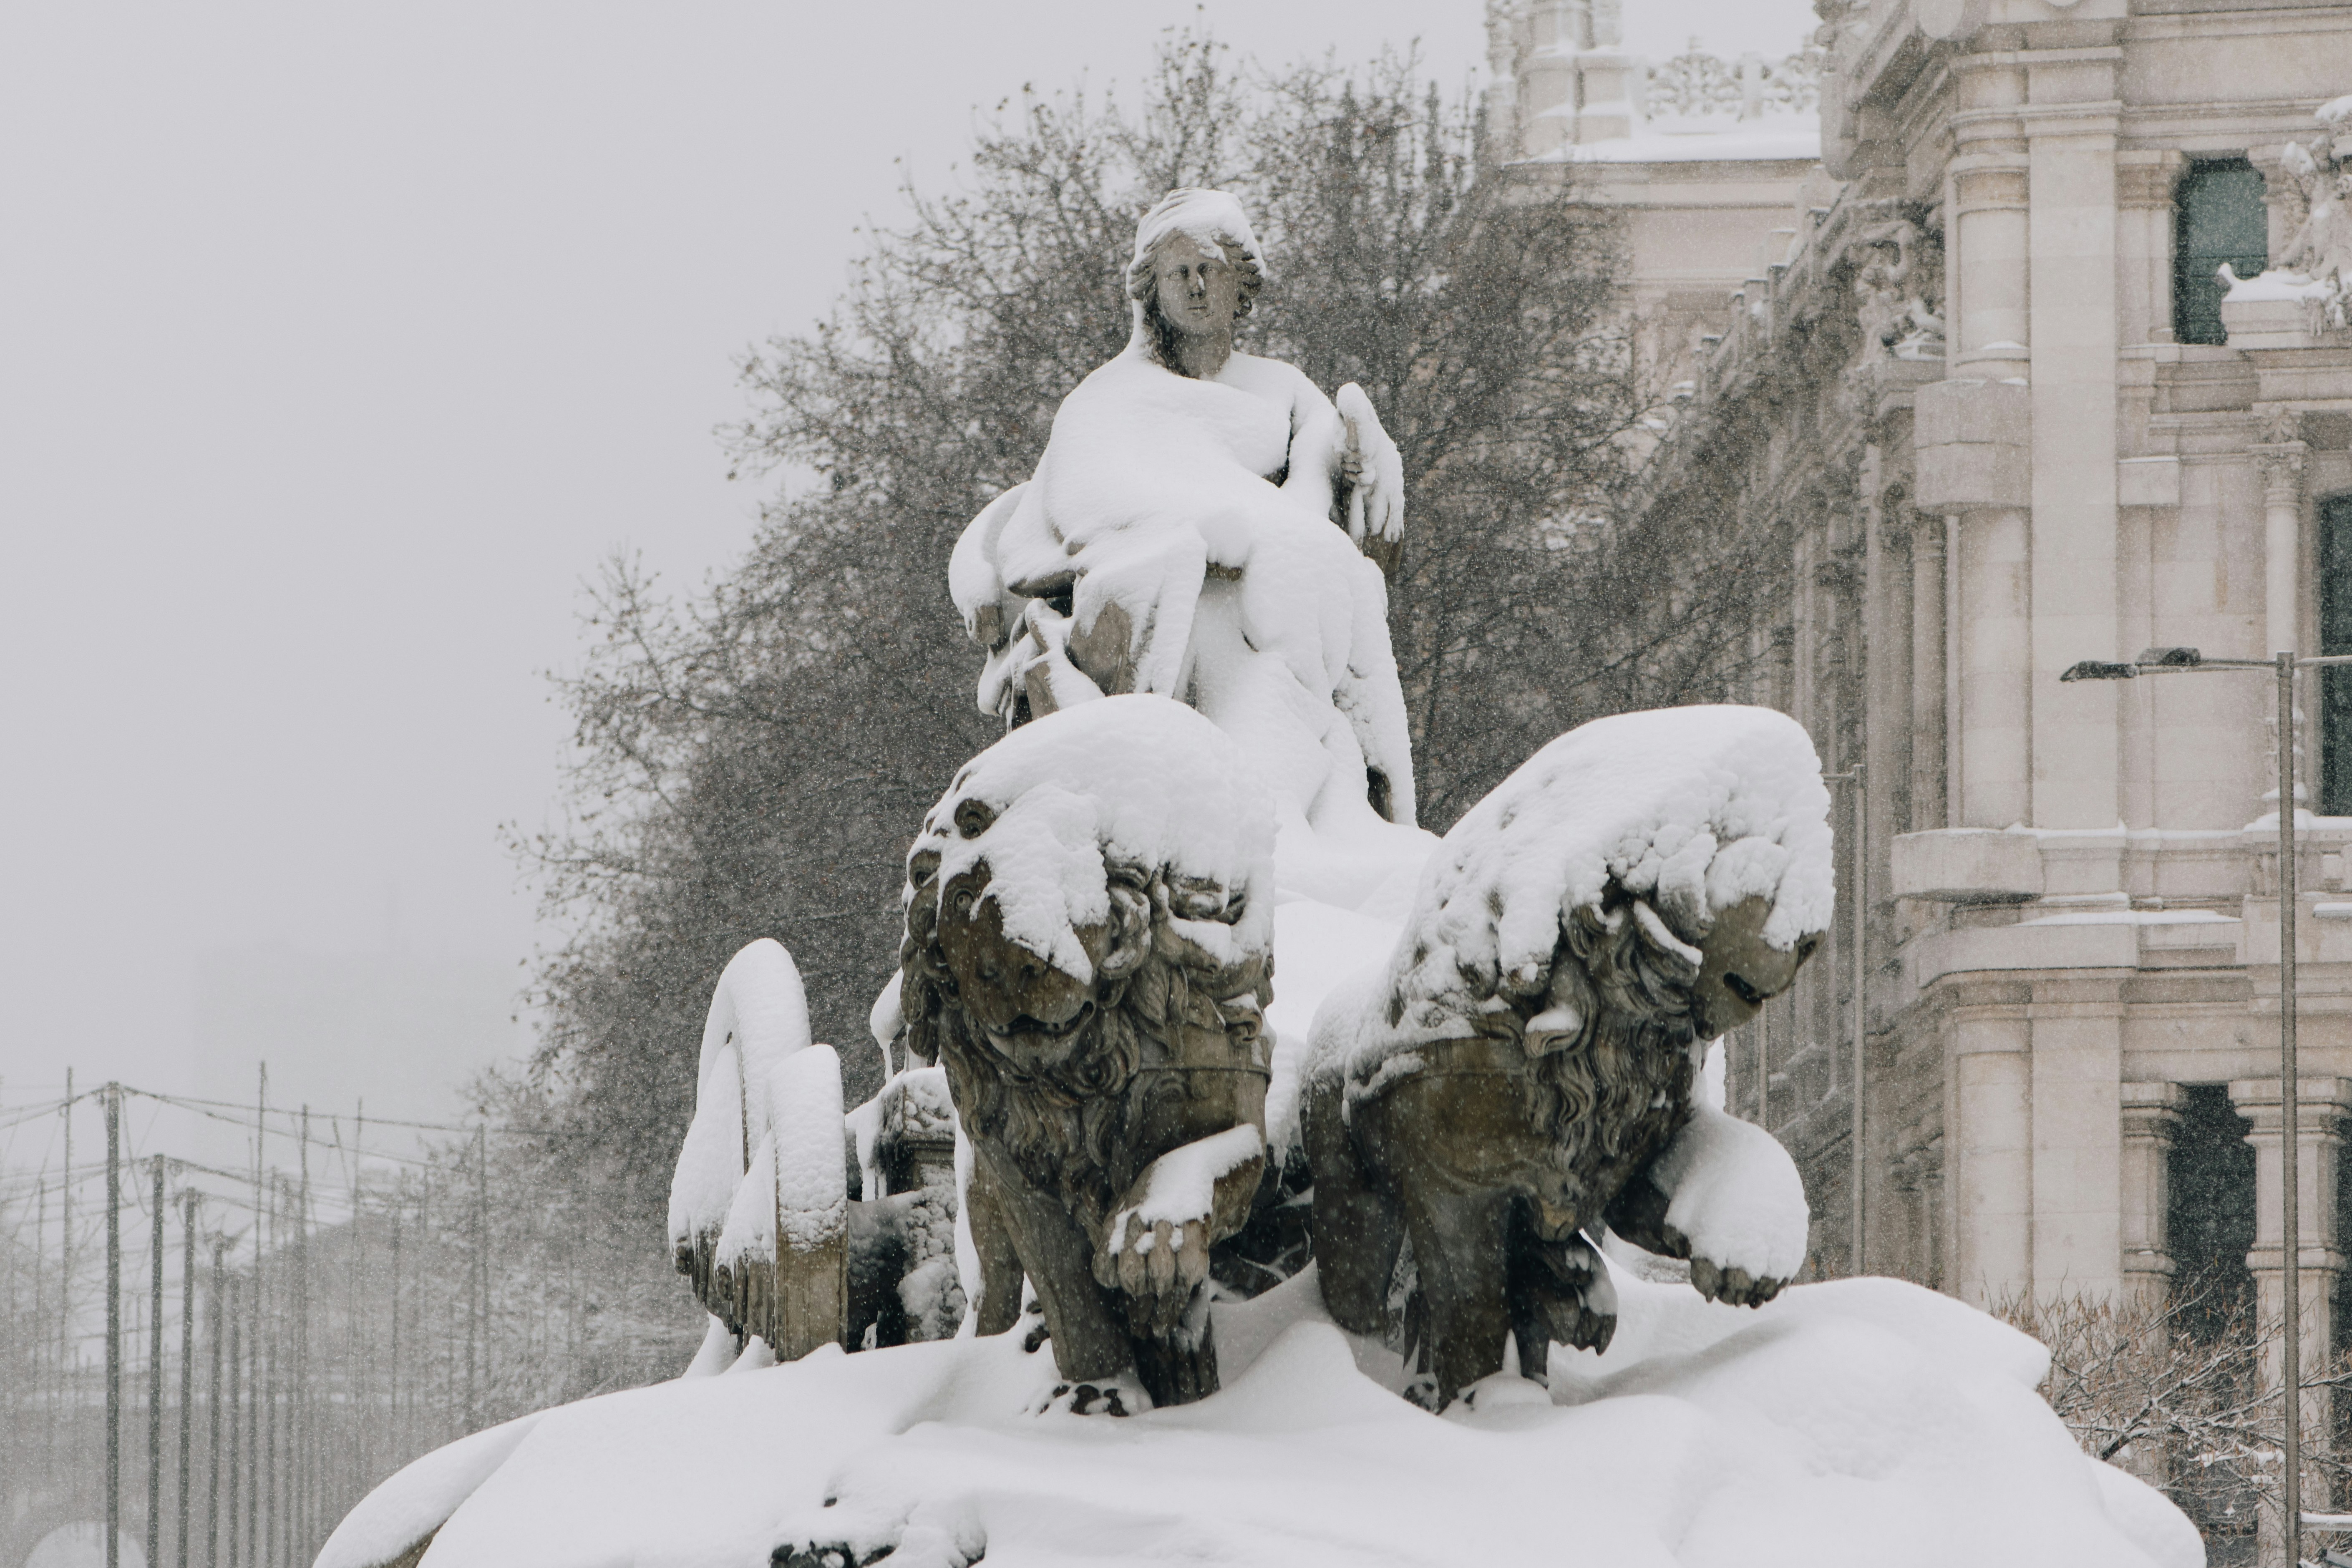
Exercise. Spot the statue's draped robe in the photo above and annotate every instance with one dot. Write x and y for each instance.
(1189, 522)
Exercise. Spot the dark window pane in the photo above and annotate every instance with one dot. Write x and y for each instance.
(2218, 217)
(2210, 1224)
(2335, 636)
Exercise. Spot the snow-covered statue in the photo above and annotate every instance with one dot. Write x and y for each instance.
(2321, 249)
(1199, 527)
(1088, 954)
(1891, 288)
(1520, 1071)
(759, 1205)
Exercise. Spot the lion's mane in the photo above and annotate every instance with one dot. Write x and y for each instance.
(1072, 1125)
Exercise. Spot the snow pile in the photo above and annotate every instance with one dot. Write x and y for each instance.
(1136, 781)
(1691, 810)
(1182, 1184)
(1210, 219)
(2272, 284)
(1734, 1192)
(420, 1497)
(812, 1179)
(1854, 1423)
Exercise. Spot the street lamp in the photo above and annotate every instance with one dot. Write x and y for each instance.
(1856, 776)
(2189, 661)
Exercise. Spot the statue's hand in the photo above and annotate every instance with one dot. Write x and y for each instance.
(1373, 471)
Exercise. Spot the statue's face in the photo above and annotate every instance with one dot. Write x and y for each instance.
(1199, 291)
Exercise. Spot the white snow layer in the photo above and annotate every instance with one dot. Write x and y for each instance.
(1847, 1423)
(811, 1169)
(1690, 809)
(1138, 779)
(758, 1017)
(1208, 218)
(417, 1499)
(1182, 1184)
(1732, 1189)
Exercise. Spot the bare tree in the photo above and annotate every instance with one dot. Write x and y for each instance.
(2180, 1393)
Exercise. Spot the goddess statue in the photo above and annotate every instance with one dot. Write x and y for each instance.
(1205, 524)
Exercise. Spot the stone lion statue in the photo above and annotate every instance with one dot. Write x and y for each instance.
(1521, 1074)
(1088, 954)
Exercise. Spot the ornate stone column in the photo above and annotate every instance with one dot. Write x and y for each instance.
(2278, 458)
(2151, 1116)
(2321, 1108)
(1927, 752)
(1974, 435)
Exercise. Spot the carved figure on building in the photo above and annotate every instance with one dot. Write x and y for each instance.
(2321, 248)
(1893, 292)
(1178, 535)
(1519, 1074)
(1089, 951)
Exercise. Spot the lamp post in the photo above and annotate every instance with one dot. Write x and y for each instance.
(2189, 661)
(1859, 799)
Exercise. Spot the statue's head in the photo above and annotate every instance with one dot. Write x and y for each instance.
(1195, 271)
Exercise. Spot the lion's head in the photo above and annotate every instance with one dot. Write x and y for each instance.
(1640, 886)
(1091, 901)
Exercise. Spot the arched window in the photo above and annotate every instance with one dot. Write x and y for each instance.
(2218, 216)
(2335, 636)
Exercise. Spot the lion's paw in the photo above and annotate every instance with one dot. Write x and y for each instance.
(1037, 1331)
(929, 1535)
(1732, 1287)
(1160, 1263)
(1121, 1395)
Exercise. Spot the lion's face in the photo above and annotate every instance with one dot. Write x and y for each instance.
(1031, 1011)
(1742, 972)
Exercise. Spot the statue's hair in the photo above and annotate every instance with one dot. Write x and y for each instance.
(1069, 1123)
(1160, 335)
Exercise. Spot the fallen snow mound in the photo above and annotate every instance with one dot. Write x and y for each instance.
(1855, 1423)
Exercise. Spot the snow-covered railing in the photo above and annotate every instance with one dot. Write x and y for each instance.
(759, 1205)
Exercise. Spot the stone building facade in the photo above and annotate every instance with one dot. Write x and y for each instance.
(1965, 361)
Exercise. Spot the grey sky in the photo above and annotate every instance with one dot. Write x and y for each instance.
(338, 344)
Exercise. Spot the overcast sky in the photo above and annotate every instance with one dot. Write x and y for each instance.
(338, 344)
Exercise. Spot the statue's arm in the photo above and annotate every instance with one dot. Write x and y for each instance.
(1375, 492)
